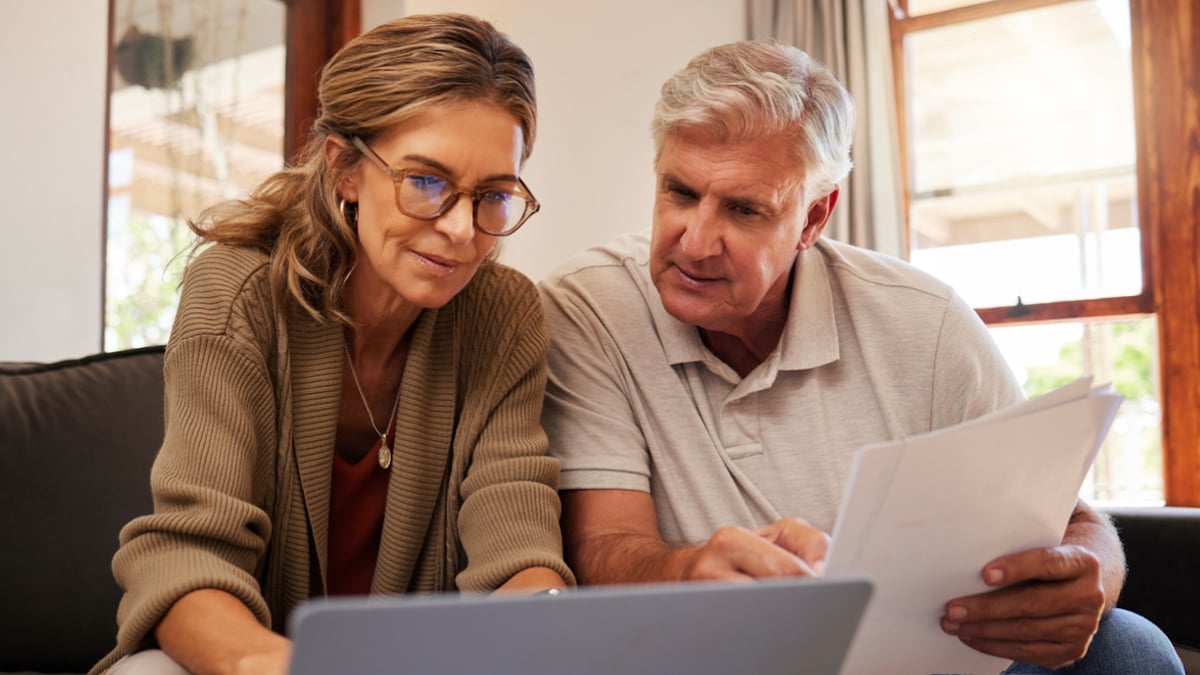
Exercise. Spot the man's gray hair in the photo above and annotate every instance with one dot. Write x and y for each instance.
(746, 90)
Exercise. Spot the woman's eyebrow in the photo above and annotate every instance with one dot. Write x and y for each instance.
(442, 168)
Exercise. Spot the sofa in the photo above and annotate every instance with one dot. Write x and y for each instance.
(78, 437)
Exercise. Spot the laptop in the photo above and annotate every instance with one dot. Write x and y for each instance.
(770, 627)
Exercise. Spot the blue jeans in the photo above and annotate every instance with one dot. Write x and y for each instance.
(1124, 643)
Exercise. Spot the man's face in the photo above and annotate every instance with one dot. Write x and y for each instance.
(729, 217)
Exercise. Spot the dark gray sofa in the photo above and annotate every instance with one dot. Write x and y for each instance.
(1162, 553)
(77, 439)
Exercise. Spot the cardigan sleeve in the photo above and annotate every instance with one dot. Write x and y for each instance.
(214, 475)
(509, 519)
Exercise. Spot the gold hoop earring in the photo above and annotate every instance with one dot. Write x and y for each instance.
(351, 219)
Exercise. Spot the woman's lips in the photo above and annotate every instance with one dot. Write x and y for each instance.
(437, 264)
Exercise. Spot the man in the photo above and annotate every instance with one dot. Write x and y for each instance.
(710, 381)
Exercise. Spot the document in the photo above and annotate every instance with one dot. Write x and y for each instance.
(922, 516)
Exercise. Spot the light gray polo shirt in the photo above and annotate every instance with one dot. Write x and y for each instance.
(873, 349)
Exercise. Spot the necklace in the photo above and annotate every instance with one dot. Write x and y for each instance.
(385, 453)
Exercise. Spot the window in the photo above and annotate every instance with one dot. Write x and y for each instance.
(1026, 182)
(206, 99)
(195, 117)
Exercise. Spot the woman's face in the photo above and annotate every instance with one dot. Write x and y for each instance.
(424, 263)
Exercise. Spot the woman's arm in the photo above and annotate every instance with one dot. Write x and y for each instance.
(210, 631)
(214, 475)
(532, 580)
(508, 523)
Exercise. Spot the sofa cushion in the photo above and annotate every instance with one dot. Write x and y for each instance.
(1162, 553)
(77, 439)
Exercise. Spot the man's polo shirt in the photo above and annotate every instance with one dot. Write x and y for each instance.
(873, 350)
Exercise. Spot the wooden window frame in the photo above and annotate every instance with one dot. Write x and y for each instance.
(1166, 68)
(316, 30)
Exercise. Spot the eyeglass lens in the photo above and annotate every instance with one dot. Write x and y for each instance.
(425, 196)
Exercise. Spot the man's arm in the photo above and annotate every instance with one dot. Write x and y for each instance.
(612, 537)
(1048, 601)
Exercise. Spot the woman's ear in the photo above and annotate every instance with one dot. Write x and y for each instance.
(347, 187)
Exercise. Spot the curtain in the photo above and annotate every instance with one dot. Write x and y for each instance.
(852, 39)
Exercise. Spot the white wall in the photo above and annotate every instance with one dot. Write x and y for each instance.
(599, 66)
(52, 73)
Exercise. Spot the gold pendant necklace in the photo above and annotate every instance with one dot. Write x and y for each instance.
(385, 453)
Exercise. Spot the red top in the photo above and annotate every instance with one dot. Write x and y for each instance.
(356, 502)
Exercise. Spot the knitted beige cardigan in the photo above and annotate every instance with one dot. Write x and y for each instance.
(241, 483)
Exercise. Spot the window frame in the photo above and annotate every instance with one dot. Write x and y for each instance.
(316, 30)
(1168, 183)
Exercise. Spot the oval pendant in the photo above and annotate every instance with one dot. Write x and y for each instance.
(385, 456)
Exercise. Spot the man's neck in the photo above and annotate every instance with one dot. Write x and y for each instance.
(743, 353)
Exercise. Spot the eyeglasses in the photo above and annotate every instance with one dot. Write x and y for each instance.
(498, 211)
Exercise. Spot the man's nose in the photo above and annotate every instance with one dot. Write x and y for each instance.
(703, 234)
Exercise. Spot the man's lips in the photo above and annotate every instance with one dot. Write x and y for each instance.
(695, 276)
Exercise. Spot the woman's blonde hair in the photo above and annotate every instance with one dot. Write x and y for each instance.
(377, 81)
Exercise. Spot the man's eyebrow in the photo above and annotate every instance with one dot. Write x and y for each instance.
(445, 170)
(756, 204)
(671, 179)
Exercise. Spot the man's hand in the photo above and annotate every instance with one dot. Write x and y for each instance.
(1046, 608)
(612, 537)
(786, 548)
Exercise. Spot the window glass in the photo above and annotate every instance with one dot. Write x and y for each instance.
(1128, 469)
(1022, 155)
(195, 117)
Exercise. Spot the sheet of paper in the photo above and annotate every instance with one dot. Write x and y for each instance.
(923, 515)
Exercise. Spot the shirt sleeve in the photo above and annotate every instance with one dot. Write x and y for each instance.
(590, 414)
(210, 483)
(510, 510)
(970, 376)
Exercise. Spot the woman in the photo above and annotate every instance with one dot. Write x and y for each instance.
(353, 388)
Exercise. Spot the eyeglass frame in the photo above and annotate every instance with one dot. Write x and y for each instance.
(532, 205)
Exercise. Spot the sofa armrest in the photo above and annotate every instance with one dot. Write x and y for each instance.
(1162, 553)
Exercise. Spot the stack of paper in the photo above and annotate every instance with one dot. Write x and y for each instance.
(923, 515)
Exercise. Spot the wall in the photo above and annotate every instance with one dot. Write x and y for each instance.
(52, 73)
(599, 67)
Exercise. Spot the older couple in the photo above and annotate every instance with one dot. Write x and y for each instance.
(355, 388)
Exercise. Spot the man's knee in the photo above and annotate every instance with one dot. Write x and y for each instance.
(1124, 643)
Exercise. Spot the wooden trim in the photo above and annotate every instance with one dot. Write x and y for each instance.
(900, 94)
(1069, 310)
(983, 10)
(1166, 98)
(316, 30)
(111, 52)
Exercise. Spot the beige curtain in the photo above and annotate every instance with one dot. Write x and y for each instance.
(851, 38)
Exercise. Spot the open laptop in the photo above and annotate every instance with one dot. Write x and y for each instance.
(769, 627)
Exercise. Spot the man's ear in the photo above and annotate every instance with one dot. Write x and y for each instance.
(347, 187)
(818, 217)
